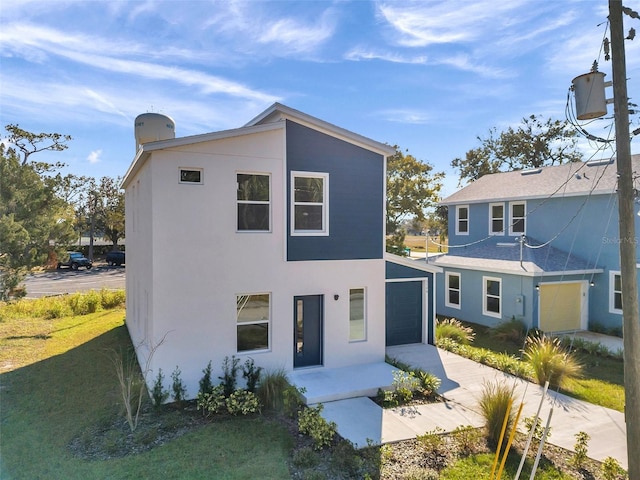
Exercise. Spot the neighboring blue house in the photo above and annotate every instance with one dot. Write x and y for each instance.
(538, 245)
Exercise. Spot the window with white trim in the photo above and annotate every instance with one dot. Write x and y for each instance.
(492, 296)
(309, 203)
(518, 214)
(452, 289)
(615, 292)
(357, 315)
(191, 176)
(496, 219)
(254, 202)
(462, 220)
(253, 316)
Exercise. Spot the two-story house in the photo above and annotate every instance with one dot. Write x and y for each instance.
(265, 241)
(538, 245)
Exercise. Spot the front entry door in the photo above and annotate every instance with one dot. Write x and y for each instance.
(307, 318)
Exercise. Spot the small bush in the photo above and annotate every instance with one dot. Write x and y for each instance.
(271, 389)
(453, 329)
(292, 400)
(178, 388)
(467, 438)
(538, 430)
(611, 469)
(346, 460)
(310, 422)
(212, 402)
(494, 402)
(428, 383)
(387, 398)
(158, 393)
(242, 402)
(432, 441)
(580, 447)
(513, 331)
(251, 374)
(306, 457)
(549, 361)
(110, 299)
(404, 385)
(229, 374)
(205, 383)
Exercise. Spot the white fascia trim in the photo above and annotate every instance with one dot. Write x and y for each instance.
(523, 198)
(417, 264)
(520, 272)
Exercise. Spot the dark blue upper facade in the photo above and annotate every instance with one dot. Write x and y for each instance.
(355, 196)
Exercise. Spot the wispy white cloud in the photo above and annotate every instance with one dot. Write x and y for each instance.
(363, 53)
(94, 157)
(413, 116)
(297, 36)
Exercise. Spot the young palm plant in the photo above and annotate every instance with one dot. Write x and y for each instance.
(550, 361)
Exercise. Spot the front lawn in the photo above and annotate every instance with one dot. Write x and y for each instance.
(58, 383)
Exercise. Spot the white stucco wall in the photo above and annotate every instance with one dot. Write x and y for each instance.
(192, 265)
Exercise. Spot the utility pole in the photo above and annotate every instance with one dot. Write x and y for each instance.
(628, 240)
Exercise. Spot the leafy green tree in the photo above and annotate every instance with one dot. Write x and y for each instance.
(535, 143)
(34, 221)
(412, 187)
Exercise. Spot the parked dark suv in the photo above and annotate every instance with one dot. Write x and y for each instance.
(75, 260)
(115, 257)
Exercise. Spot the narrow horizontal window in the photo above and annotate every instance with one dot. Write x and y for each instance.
(191, 175)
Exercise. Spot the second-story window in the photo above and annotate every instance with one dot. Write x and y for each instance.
(496, 218)
(462, 220)
(253, 196)
(517, 224)
(309, 203)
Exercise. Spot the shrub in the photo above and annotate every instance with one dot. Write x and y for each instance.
(549, 361)
(428, 383)
(494, 402)
(454, 330)
(513, 331)
(212, 402)
(205, 383)
(271, 389)
(242, 402)
(292, 399)
(178, 388)
(346, 460)
(611, 469)
(306, 457)
(387, 398)
(404, 384)
(310, 422)
(467, 438)
(538, 429)
(432, 441)
(251, 374)
(112, 298)
(229, 374)
(158, 392)
(580, 447)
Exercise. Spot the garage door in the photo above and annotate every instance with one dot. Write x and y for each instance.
(404, 312)
(560, 306)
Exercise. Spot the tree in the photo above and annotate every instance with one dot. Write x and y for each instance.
(439, 223)
(535, 143)
(29, 143)
(111, 209)
(34, 221)
(412, 187)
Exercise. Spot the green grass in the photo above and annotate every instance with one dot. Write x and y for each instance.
(58, 382)
(479, 466)
(602, 381)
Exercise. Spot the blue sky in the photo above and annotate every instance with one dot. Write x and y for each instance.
(429, 76)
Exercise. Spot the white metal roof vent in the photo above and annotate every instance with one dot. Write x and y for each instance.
(598, 163)
(531, 171)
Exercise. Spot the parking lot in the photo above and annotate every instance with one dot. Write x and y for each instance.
(59, 282)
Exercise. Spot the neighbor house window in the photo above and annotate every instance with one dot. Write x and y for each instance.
(357, 330)
(452, 290)
(462, 220)
(492, 293)
(615, 292)
(191, 175)
(253, 315)
(309, 203)
(496, 219)
(517, 224)
(254, 202)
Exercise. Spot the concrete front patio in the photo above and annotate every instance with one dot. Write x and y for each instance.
(345, 391)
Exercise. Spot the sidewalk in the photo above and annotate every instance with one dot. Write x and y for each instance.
(361, 421)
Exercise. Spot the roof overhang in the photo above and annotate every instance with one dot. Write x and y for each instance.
(523, 269)
(417, 264)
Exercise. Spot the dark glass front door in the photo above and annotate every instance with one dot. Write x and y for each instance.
(307, 324)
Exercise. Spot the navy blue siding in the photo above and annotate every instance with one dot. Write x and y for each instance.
(356, 196)
(393, 270)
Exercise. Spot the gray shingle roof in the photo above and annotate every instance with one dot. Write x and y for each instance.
(490, 256)
(571, 179)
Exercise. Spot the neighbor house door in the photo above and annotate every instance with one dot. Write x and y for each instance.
(562, 306)
(307, 318)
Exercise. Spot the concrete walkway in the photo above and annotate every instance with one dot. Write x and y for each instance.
(361, 421)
